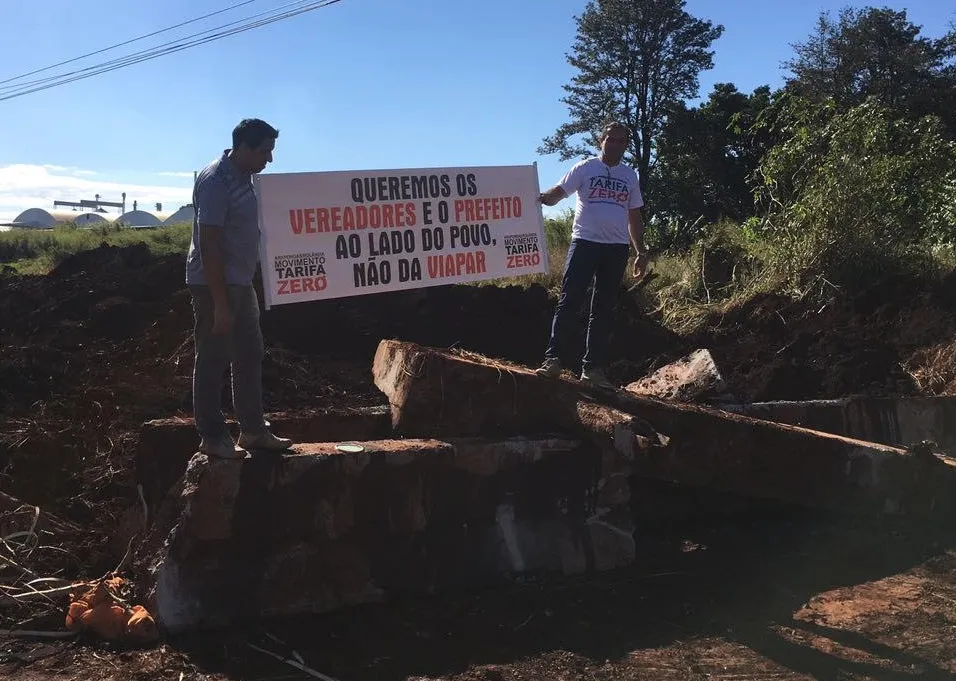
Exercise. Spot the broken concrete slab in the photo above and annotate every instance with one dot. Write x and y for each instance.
(166, 445)
(440, 391)
(320, 529)
(768, 460)
(693, 378)
(897, 421)
(446, 394)
(792, 464)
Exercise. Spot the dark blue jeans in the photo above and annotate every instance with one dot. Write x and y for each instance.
(605, 265)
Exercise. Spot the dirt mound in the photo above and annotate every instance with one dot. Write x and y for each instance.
(104, 258)
(896, 338)
(104, 343)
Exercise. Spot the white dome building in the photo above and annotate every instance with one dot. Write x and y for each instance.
(81, 219)
(185, 214)
(34, 217)
(38, 218)
(138, 218)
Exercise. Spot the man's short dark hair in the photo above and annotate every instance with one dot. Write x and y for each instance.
(610, 127)
(252, 132)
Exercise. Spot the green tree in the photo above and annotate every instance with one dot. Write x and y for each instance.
(879, 54)
(706, 155)
(634, 59)
(849, 194)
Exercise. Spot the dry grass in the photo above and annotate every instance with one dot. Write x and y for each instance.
(41, 553)
(933, 369)
(685, 304)
(503, 366)
(31, 554)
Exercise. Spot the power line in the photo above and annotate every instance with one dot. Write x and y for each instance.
(131, 40)
(171, 47)
(208, 35)
(133, 57)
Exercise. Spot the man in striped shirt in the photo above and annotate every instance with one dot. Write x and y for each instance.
(222, 260)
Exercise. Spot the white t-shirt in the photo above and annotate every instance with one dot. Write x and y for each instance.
(605, 195)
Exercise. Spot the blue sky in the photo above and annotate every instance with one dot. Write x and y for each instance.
(360, 84)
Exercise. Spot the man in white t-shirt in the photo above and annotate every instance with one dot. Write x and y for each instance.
(607, 219)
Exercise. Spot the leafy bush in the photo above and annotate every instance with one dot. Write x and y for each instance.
(557, 230)
(851, 195)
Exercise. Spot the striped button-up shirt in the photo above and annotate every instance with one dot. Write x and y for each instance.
(223, 197)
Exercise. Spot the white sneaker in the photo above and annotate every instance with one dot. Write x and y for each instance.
(222, 448)
(596, 378)
(264, 440)
(550, 368)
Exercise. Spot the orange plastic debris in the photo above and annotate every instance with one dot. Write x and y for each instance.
(77, 609)
(97, 595)
(141, 626)
(106, 620)
(98, 608)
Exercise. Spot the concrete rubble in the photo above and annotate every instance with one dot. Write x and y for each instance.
(319, 529)
(695, 445)
(694, 378)
(476, 471)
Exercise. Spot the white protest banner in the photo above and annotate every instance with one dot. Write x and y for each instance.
(337, 234)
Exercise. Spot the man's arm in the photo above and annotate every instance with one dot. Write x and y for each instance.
(635, 226)
(211, 205)
(212, 264)
(553, 195)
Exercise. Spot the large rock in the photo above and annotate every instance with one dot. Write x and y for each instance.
(440, 391)
(320, 529)
(694, 378)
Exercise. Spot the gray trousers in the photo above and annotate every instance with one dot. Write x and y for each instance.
(241, 350)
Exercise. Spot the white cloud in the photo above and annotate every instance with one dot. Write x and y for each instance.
(176, 173)
(25, 186)
(68, 170)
